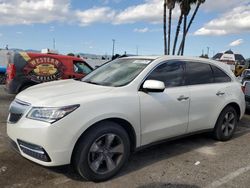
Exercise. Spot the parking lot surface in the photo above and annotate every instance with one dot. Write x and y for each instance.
(192, 162)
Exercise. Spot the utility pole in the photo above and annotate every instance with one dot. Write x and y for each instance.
(113, 51)
(137, 50)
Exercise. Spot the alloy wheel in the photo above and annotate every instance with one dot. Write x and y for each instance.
(105, 153)
(228, 124)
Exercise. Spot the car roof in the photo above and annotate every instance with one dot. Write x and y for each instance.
(222, 65)
(170, 57)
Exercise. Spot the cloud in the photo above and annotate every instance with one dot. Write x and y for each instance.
(13, 12)
(147, 30)
(221, 5)
(150, 11)
(101, 15)
(142, 30)
(236, 42)
(19, 32)
(110, 1)
(232, 22)
(25, 12)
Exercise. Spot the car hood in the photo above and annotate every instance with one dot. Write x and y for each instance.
(60, 92)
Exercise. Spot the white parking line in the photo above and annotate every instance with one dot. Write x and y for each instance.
(228, 177)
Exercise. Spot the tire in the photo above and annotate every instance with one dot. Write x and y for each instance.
(226, 124)
(102, 152)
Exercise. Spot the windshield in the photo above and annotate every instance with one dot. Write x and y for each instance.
(117, 73)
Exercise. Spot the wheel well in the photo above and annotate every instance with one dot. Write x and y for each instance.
(236, 107)
(125, 124)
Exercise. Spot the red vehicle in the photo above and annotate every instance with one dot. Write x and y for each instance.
(27, 69)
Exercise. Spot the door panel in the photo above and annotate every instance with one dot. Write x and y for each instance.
(208, 92)
(206, 104)
(163, 115)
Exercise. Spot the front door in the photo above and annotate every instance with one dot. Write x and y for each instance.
(165, 115)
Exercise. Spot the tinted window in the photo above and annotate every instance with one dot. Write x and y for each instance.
(219, 75)
(171, 73)
(198, 73)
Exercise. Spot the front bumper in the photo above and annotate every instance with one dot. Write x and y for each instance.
(40, 142)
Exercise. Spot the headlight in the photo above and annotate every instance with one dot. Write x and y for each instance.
(50, 115)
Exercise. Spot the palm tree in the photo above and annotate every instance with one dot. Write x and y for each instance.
(185, 9)
(165, 26)
(182, 45)
(170, 5)
(178, 28)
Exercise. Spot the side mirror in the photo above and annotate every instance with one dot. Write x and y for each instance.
(154, 86)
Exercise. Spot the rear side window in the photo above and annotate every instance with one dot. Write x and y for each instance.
(219, 75)
(171, 73)
(81, 68)
(198, 73)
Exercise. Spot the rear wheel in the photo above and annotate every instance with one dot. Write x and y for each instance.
(102, 152)
(226, 124)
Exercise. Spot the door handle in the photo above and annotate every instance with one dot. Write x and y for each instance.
(220, 93)
(182, 98)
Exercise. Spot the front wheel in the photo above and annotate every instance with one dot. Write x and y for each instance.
(226, 124)
(102, 152)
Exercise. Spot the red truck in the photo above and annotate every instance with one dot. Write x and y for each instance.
(27, 69)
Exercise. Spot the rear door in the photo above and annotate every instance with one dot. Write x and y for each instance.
(208, 87)
(165, 115)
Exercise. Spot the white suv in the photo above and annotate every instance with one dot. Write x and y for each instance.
(128, 103)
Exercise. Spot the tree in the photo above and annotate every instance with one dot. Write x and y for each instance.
(170, 5)
(185, 9)
(182, 45)
(178, 28)
(165, 26)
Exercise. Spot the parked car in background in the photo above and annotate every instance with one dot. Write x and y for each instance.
(28, 69)
(245, 76)
(246, 88)
(124, 105)
(2, 74)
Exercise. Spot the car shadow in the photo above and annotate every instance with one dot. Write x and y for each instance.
(154, 154)
(167, 185)
(247, 111)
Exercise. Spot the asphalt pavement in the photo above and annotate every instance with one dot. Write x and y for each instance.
(192, 162)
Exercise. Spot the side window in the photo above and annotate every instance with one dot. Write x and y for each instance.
(81, 68)
(219, 75)
(198, 73)
(171, 73)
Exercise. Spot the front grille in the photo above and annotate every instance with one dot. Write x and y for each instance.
(13, 118)
(17, 109)
(34, 151)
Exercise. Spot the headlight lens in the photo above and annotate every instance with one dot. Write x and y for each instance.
(50, 115)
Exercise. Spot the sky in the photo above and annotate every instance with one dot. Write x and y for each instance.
(89, 26)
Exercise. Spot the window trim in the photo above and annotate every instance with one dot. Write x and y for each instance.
(185, 61)
(155, 67)
(223, 72)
